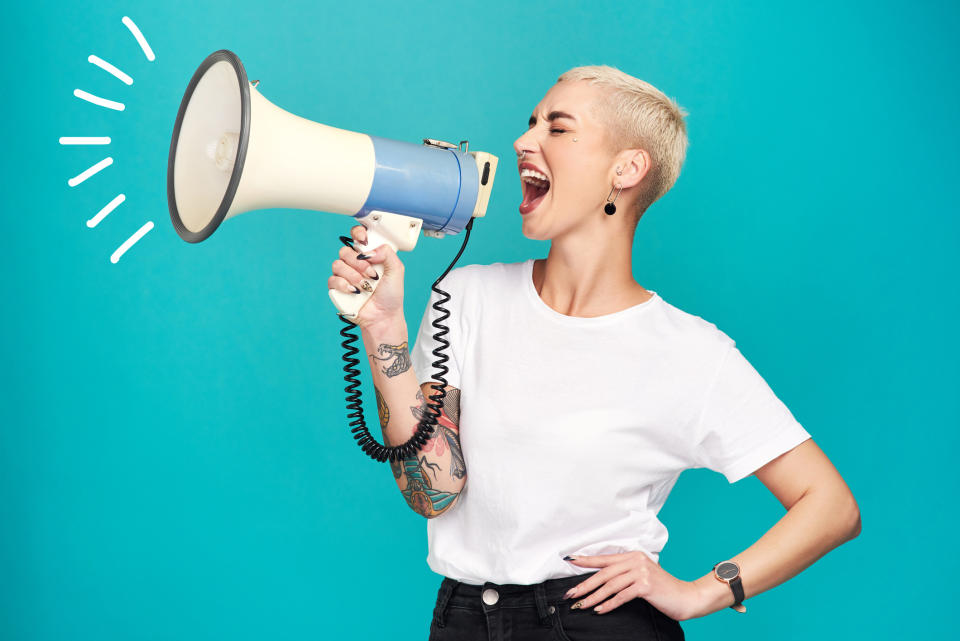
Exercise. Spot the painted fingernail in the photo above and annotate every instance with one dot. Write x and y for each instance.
(372, 273)
(356, 291)
(577, 605)
(569, 558)
(362, 257)
(569, 593)
(598, 608)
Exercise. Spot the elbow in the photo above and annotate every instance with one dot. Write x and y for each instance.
(852, 518)
(446, 508)
(430, 511)
(855, 529)
(843, 512)
(840, 510)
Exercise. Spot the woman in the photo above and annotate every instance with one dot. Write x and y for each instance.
(584, 396)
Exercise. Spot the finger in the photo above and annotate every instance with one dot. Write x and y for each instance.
(618, 555)
(359, 233)
(341, 284)
(387, 256)
(596, 580)
(613, 586)
(364, 269)
(621, 597)
(347, 273)
(597, 561)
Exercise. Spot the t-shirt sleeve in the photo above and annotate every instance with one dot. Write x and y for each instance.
(422, 356)
(743, 425)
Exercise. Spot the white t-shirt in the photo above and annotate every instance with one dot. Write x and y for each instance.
(574, 430)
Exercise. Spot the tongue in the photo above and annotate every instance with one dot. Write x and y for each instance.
(532, 195)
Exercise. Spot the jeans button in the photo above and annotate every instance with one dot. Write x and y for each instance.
(552, 609)
(490, 596)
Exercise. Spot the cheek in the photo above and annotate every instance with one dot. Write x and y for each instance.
(576, 186)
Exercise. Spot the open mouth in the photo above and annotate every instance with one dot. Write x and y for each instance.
(535, 186)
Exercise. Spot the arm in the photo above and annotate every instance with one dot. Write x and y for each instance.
(432, 480)
(821, 515)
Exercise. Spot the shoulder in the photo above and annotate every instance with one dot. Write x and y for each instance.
(483, 275)
(691, 330)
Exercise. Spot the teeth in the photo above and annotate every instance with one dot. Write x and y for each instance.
(533, 177)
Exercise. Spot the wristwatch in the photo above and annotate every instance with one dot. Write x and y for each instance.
(729, 573)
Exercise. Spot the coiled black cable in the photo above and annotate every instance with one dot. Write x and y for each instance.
(428, 422)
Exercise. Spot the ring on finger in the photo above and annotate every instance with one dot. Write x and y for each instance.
(601, 593)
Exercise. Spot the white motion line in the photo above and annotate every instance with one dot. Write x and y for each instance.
(148, 52)
(79, 178)
(109, 68)
(106, 210)
(84, 140)
(97, 100)
(130, 242)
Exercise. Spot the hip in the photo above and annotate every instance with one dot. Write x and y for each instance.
(491, 611)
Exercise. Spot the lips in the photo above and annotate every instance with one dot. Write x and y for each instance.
(532, 197)
(534, 189)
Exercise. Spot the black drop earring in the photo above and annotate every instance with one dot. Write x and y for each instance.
(610, 208)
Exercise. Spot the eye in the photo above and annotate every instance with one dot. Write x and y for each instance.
(557, 131)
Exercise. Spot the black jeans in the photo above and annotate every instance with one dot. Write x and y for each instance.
(539, 612)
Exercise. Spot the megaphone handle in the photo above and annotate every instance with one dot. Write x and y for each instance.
(349, 304)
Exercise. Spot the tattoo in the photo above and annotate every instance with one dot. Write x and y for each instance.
(447, 431)
(382, 408)
(384, 419)
(400, 352)
(420, 494)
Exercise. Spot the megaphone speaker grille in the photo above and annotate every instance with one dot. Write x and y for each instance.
(209, 146)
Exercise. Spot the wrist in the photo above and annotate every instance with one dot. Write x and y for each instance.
(387, 328)
(713, 595)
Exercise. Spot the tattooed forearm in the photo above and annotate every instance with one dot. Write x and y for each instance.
(384, 412)
(421, 479)
(382, 408)
(448, 427)
(420, 494)
(399, 354)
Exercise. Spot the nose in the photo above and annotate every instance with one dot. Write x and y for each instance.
(525, 142)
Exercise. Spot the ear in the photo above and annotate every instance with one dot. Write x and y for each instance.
(634, 163)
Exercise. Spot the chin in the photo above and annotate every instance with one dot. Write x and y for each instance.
(530, 229)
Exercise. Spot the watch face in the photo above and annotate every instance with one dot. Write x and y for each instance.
(728, 570)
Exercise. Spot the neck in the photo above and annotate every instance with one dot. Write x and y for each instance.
(588, 277)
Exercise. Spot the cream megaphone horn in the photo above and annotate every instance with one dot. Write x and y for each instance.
(234, 151)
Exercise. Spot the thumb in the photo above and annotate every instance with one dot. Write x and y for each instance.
(387, 255)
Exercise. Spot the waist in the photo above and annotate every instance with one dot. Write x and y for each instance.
(467, 595)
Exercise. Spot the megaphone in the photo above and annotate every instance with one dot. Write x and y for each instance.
(234, 151)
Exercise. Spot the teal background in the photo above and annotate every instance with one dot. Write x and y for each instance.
(175, 461)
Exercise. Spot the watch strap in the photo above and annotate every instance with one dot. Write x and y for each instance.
(737, 586)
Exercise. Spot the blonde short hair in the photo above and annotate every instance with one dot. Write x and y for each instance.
(640, 116)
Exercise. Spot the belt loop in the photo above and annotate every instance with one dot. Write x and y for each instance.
(443, 597)
(540, 596)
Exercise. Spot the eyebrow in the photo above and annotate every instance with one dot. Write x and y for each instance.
(553, 115)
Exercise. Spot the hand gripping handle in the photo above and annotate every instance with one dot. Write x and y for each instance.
(383, 228)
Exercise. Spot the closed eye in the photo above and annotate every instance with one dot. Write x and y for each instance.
(557, 131)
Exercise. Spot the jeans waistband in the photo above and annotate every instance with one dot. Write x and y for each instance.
(543, 595)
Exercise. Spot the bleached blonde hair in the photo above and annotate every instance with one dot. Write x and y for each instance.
(637, 115)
